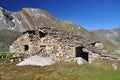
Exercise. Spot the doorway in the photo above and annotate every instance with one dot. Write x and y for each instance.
(81, 53)
(26, 47)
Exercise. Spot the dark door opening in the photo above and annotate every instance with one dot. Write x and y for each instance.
(26, 47)
(41, 34)
(80, 53)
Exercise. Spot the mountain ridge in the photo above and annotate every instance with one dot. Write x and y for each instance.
(112, 34)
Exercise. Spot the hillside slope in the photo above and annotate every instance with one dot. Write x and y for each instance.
(6, 39)
(112, 34)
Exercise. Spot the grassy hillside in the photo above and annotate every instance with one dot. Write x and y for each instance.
(99, 70)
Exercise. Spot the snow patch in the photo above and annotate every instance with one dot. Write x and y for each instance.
(13, 20)
(32, 9)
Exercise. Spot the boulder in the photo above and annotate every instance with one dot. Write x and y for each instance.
(93, 57)
(80, 60)
(99, 45)
(115, 67)
(37, 61)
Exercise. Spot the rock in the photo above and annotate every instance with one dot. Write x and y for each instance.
(115, 67)
(93, 57)
(36, 61)
(80, 61)
(99, 45)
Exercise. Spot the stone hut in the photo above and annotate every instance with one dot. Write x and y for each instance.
(56, 44)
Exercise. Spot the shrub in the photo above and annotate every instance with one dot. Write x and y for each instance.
(5, 56)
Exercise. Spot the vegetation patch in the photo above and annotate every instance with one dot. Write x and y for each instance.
(109, 49)
(5, 57)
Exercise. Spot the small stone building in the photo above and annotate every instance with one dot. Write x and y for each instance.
(56, 44)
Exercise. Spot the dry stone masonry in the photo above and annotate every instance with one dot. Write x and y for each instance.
(57, 44)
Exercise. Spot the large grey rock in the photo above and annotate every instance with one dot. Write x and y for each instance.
(99, 45)
(115, 67)
(37, 61)
(80, 61)
(93, 57)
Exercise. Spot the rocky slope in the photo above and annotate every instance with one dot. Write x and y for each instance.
(6, 39)
(112, 34)
(32, 18)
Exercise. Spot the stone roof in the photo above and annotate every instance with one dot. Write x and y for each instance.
(68, 38)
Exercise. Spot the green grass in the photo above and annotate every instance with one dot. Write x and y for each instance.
(70, 28)
(6, 57)
(99, 70)
(109, 49)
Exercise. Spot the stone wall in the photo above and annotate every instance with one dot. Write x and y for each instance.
(45, 46)
(57, 44)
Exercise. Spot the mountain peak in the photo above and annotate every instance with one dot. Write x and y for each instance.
(31, 9)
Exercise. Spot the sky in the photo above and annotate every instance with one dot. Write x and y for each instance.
(90, 14)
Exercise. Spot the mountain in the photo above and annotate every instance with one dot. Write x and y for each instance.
(112, 34)
(32, 18)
